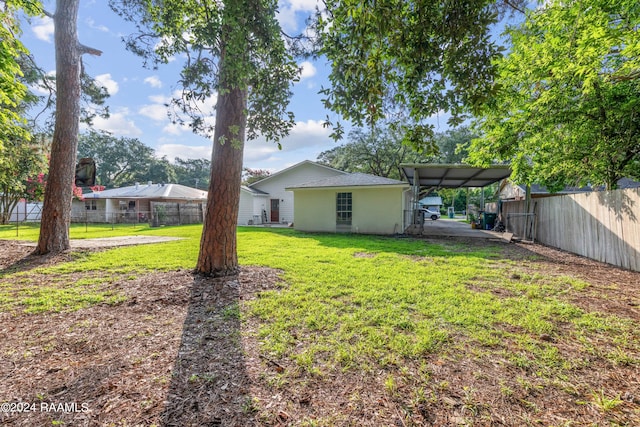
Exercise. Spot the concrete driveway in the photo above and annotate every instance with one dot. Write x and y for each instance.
(455, 228)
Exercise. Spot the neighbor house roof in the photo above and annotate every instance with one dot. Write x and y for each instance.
(150, 191)
(435, 200)
(350, 180)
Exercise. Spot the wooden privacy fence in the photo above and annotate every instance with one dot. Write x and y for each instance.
(602, 225)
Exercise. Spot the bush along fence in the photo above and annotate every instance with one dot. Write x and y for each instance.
(601, 225)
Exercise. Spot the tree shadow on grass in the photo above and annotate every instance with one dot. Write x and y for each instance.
(209, 385)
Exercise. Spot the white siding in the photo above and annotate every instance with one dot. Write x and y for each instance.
(245, 210)
(259, 205)
(276, 184)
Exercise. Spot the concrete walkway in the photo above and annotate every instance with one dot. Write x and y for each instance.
(109, 242)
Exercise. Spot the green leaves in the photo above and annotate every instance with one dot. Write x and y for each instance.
(407, 60)
(566, 111)
(244, 34)
(12, 89)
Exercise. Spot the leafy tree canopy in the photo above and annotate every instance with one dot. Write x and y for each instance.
(12, 89)
(199, 32)
(124, 161)
(27, 162)
(378, 152)
(568, 106)
(408, 60)
(381, 151)
(249, 176)
(192, 172)
(119, 161)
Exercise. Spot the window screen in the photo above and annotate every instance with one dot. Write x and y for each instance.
(343, 208)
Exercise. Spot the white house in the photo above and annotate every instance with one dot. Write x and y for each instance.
(433, 203)
(351, 202)
(141, 203)
(268, 201)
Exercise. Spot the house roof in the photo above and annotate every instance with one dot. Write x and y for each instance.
(350, 180)
(435, 200)
(254, 191)
(453, 176)
(150, 191)
(297, 165)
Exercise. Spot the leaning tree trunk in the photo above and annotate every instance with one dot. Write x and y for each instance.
(218, 255)
(56, 210)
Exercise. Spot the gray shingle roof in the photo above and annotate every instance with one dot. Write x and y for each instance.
(150, 191)
(350, 180)
(254, 191)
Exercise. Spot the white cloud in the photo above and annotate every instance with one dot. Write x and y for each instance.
(153, 81)
(118, 124)
(306, 140)
(305, 136)
(92, 24)
(43, 28)
(308, 70)
(160, 99)
(293, 13)
(108, 83)
(184, 151)
(156, 112)
(176, 129)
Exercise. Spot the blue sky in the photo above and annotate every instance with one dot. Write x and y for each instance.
(138, 94)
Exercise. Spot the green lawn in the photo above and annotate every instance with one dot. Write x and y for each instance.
(352, 302)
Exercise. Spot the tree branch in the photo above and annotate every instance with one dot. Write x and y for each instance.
(86, 49)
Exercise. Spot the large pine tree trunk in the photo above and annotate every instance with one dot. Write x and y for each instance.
(56, 211)
(218, 255)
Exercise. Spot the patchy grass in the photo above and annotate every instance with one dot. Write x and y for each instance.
(56, 287)
(31, 231)
(374, 304)
(409, 298)
(426, 327)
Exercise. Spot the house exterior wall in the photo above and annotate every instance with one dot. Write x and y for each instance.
(79, 212)
(275, 186)
(246, 209)
(260, 205)
(375, 210)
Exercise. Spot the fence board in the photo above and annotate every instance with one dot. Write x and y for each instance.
(604, 226)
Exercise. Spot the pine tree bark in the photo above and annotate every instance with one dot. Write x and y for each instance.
(218, 255)
(56, 211)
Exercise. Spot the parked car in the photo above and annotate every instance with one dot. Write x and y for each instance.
(428, 213)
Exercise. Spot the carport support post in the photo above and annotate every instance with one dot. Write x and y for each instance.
(416, 200)
(466, 204)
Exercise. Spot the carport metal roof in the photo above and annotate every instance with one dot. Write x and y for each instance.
(453, 176)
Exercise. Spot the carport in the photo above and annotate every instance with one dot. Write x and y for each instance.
(428, 177)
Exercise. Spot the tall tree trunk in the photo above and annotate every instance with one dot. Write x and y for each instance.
(218, 255)
(56, 211)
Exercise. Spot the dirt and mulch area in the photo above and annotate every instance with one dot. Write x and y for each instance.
(175, 352)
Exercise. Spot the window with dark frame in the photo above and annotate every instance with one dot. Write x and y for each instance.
(90, 205)
(343, 208)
